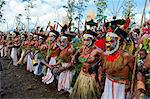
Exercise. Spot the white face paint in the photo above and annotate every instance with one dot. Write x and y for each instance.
(112, 44)
(88, 27)
(23, 38)
(87, 42)
(41, 40)
(111, 51)
(64, 43)
(30, 37)
(52, 38)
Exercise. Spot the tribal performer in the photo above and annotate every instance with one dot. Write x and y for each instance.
(22, 59)
(30, 54)
(53, 53)
(66, 69)
(39, 56)
(15, 45)
(5, 42)
(86, 86)
(117, 64)
(2, 44)
(142, 84)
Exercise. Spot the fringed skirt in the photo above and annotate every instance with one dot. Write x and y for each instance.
(85, 87)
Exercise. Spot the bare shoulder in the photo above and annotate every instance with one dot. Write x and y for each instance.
(71, 49)
(127, 56)
(148, 56)
(147, 61)
(96, 52)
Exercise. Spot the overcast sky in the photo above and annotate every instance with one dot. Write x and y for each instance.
(51, 10)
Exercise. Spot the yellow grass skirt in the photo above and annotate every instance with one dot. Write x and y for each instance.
(85, 87)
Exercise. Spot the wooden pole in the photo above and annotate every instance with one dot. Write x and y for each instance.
(136, 56)
(143, 16)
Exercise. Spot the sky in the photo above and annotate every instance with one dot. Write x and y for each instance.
(52, 10)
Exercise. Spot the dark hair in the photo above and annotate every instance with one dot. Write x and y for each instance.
(137, 31)
(26, 36)
(144, 50)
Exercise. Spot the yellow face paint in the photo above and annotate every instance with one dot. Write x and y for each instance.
(140, 46)
(107, 44)
(85, 36)
(108, 38)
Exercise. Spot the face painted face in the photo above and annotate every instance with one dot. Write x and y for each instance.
(64, 42)
(142, 54)
(41, 40)
(35, 38)
(23, 38)
(52, 38)
(87, 42)
(112, 44)
(30, 37)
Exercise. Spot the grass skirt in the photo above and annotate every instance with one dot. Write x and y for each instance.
(85, 87)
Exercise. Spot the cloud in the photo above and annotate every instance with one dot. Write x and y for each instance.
(50, 10)
(44, 9)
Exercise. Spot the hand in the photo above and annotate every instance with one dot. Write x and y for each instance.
(61, 69)
(47, 57)
(136, 93)
(50, 66)
(73, 60)
(15, 45)
(99, 78)
(53, 65)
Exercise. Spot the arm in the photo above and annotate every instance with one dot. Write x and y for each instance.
(147, 61)
(58, 63)
(94, 53)
(131, 62)
(70, 65)
(45, 63)
(17, 45)
(74, 56)
(100, 72)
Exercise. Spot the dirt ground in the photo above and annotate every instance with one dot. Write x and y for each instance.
(17, 83)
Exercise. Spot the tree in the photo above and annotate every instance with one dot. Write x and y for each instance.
(2, 3)
(75, 9)
(70, 9)
(2, 19)
(79, 7)
(28, 7)
(129, 9)
(19, 24)
(101, 7)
